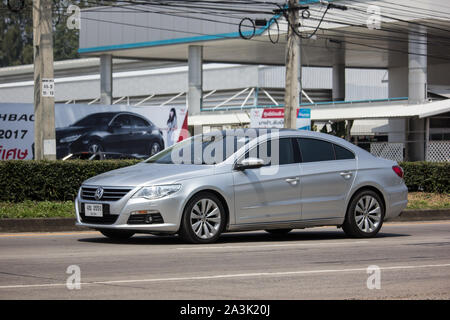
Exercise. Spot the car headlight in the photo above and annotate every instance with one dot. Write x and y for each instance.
(157, 192)
(70, 138)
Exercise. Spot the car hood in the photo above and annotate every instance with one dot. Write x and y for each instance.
(67, 131)
(149, 173)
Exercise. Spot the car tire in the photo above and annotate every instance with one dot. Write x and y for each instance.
(117, 234)
(204, 219)
(278, 232)
(155, 147)
(365, 215)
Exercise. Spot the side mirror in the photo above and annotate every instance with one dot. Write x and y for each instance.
(250, 163)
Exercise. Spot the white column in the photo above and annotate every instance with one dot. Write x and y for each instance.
(195, 76)
(106, 79)
(417, 89)
(338, 74)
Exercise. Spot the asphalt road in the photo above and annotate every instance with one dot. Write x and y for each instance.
(321, 263)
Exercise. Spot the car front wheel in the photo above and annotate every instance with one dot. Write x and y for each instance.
(203, 219)
(365, 215)
(95, 147)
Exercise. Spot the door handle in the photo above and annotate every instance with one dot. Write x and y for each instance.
(346, 174)
(293, 181)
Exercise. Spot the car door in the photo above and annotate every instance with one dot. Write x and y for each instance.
(325, 180)
(141, 135)
(271, 193)
(120, 135)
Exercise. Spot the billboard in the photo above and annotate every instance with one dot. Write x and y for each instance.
(136, 131)
(274, 118)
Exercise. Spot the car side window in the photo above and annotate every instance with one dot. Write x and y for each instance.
(122, 120)
(138, 122)
(286, 152)
(313, 150)
(343, 153)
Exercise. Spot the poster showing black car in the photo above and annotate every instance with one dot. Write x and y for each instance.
(131, 132)
(121, 132)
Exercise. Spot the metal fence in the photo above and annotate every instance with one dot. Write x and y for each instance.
(388, 150)
(438, 150)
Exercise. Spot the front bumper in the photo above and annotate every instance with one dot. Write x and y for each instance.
(170, 208)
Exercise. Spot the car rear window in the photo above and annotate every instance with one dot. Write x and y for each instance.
(342, 153)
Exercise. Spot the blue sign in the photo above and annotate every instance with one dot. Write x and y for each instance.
(304, 119)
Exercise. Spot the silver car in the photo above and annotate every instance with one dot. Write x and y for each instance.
(247, 179)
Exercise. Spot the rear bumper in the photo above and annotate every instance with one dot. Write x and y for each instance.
(397, 201)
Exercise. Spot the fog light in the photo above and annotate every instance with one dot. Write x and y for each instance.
(148, 219)
(143, 212)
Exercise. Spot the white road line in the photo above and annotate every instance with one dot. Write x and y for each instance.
(272, 245)
(225, 276)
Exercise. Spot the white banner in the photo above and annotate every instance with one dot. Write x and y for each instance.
(274, 118)
(16, 131)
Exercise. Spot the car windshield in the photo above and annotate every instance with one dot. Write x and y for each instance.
(201, 149)
(93, 120)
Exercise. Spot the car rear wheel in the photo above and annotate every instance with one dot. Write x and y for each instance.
(117, 234)
(365, 215)
(155, 148)
(203, 219)
(278, 232)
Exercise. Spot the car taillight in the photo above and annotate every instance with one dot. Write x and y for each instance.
(398, 170)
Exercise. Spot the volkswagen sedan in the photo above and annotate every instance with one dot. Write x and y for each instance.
(241, 180)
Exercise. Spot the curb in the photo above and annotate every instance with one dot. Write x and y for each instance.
(423, 215)
(39, 225)
(68, 224)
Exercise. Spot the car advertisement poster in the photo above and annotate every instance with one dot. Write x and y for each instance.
(274, 118)
(135, 131)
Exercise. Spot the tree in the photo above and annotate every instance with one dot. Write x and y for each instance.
(16, 32)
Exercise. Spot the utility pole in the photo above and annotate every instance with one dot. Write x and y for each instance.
(293, 60)
(44, 100)
(293, 65)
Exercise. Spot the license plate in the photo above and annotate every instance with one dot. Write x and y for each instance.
(93, 210)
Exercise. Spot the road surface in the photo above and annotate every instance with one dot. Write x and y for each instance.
(413, 260)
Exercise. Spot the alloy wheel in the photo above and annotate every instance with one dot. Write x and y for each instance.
(367, 214)
(205, 218)
(155, 148)
(94, 148)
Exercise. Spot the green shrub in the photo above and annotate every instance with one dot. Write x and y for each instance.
(427, 176)
(60, 180)
(49, 180)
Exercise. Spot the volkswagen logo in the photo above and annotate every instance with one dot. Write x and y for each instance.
(98, 193)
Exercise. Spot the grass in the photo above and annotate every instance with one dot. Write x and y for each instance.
(425, 200)
(37, 209)
(54, 209)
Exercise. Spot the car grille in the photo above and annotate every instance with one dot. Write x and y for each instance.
(142, 218)
(109, 194)
(106, 219)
